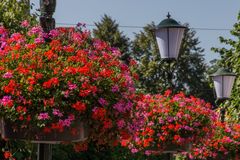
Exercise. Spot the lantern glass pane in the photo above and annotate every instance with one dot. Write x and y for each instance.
(175, 39)
(223, 86)
(228, 85)
(162, 42)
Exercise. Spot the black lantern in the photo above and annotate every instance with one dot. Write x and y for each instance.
(169, 34)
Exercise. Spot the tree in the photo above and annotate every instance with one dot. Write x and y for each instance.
(188, 73)
(13, 12)
(230, 58)
(108, 31)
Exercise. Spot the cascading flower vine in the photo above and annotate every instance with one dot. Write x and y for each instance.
(50, 85)
(163, 120)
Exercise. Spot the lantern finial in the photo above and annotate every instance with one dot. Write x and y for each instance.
(168, 15)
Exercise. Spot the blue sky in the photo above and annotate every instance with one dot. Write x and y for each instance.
(220, 14)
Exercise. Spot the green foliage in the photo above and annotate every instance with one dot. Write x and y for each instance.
(108, 31)
(20, 150)
(13, 12)
(188, 72)
(230, 58)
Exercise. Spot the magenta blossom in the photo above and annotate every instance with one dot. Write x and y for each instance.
(43, 116)
(6, 100)
(134, 150)
(35, 31)
(71, 117)
(66, 122)
(56, 112)
(39, 40)
(25, 23)
(72, 86)
(7, 75)
(53, 33)
(102, 101)
(66, 93)
(121, 123)
(115, 88)
(116, 52)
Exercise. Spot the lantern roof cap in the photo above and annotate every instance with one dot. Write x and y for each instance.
(223, 72)
(169, 23)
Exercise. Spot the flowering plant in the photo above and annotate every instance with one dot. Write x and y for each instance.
(51, 85)
(224, 143)
(163, 120)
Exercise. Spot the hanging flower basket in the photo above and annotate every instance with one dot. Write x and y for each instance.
(75, 81)
(77, 133)
(169, 123)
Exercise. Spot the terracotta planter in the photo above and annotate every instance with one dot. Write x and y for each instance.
(9, 130)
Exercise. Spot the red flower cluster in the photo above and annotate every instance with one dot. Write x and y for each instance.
(99, 113)
(81, 107)
(8, 155)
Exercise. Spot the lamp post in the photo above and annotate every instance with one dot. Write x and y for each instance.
(223, 81)
(47, 22)
(169, 34)
(47, 8)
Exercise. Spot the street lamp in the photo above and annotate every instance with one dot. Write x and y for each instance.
(169, 35)
(223, 83)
